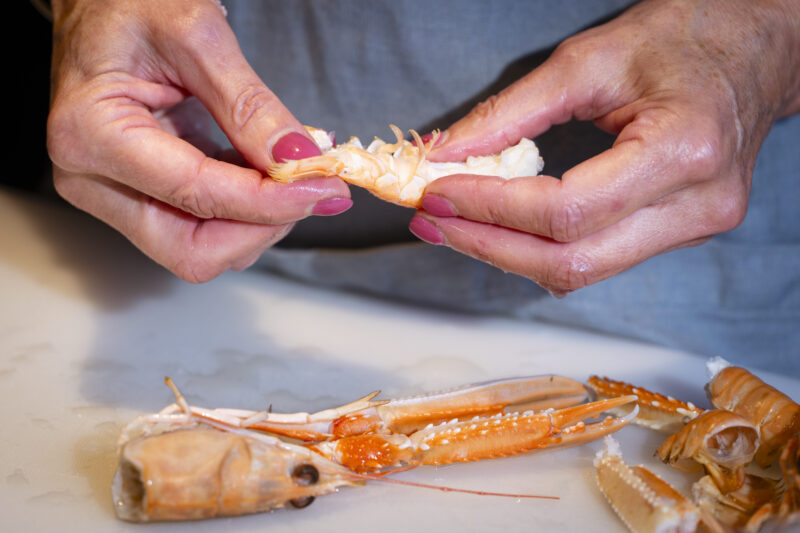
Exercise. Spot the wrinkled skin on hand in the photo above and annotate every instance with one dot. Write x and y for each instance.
(133, 83)
(690, 88)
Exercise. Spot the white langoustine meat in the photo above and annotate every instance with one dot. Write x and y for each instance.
(399, 172)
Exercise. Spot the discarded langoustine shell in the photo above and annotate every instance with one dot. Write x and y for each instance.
(642, 500)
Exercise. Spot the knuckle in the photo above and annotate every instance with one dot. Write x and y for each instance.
(64, 184)
(702, 150)
(728, 209)
(570, 272)
(250, 103)
(195, 270)
(486, 109)
(576, 51)
(193, 196)
(59, 139)
(567, 220)
(199, 27)
(569, 51)
(190, 197)
(190, 200)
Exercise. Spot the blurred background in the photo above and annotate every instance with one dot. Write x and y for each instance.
(27, 92)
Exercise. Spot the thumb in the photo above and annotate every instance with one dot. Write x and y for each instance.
(548, 95)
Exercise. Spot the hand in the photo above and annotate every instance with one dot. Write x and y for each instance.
(690, 88)
(129, 144)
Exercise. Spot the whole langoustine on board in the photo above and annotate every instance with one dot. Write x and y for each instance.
(187, 462)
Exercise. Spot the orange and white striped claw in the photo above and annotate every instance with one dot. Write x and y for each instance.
(656, 411)
(477, 438)
(644, 501)
(406, 415)
(536, 393)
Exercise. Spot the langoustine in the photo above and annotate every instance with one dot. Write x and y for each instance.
(399, 172)
(188, 462)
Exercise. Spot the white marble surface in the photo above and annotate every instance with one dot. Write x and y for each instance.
(89, 328)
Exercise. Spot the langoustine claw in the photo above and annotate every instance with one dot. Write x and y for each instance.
(656, 411)
(644, 501)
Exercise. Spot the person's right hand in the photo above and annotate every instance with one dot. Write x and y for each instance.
(125, 151)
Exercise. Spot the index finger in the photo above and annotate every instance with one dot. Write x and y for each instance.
(135, 151)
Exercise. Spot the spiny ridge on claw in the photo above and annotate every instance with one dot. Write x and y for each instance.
(656, 411)
(641, 499)
(503, 435)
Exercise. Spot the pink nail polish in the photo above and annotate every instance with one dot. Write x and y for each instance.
(332, 206)
(429, 136)
(438, 206)
(294, 146)
(426, 230)
(426, 138)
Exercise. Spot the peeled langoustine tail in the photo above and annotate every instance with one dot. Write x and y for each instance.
(398, 172)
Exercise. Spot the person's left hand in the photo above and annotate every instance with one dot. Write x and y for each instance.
(690, 88)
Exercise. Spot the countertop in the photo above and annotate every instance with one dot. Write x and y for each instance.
(89, 327)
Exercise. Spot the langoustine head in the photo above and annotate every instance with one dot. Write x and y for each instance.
(200, 472)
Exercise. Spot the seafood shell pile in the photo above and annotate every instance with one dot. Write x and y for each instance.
(750, 426)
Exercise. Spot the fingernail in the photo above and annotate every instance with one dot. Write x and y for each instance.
(426, 230)
(438, 206)
(332, 206)
(429, 136)
(294, 146)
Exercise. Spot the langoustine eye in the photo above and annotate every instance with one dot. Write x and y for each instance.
(304, 475)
